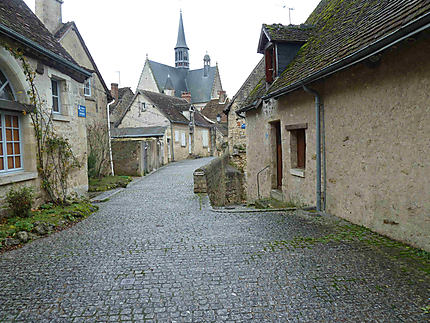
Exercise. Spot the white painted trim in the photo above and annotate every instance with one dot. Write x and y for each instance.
(297, 172)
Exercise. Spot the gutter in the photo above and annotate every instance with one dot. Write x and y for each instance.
(395, 37)
(33, 45)
(138, 136)
(317, 142)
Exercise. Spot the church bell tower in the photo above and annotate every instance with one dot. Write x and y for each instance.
(181, 49)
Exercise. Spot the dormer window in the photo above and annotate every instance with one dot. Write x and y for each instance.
(270, 57)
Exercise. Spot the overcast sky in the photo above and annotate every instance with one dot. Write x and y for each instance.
(119, 34)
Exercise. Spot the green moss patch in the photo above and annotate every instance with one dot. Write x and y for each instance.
(41, 222)
(108, 183)
(273, 204)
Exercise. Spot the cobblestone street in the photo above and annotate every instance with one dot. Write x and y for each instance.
(157, 252)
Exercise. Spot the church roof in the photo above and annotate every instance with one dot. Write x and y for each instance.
(184, 80)
(181, 43)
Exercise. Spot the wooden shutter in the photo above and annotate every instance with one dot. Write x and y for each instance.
(301, 148)
(269, 65)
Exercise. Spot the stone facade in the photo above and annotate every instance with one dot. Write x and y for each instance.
(66, 123)
(377, 130)
(96, 102)
(236, 124)
(137, 157)
(142, 112)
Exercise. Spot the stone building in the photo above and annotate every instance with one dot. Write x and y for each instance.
(198, 86)
(344, 123)
(122, 98)
(96, 93)
(187, 133)
(236, 124)
(60, 83)
(213, 113)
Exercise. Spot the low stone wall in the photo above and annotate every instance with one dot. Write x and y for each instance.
(222, 182)
(127, 157)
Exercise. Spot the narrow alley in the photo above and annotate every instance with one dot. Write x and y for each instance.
(157, 252)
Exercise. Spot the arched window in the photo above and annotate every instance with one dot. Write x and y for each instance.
(10, 131)
(6, 92)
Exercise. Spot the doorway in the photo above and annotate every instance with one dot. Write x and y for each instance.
(278, 153)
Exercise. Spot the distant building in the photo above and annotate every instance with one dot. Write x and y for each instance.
(196, 86)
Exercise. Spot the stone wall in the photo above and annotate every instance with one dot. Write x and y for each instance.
(222, 182)
(377, 144)
(67, 124)
(96, 102)
(127, 157)
(137, 157)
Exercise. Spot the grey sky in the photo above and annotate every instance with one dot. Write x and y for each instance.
(119, 34)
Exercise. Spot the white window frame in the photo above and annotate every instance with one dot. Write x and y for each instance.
(183, 139)
(87, 87)
(58, 96)
(176, 135)
(3, 142)
(205, 138)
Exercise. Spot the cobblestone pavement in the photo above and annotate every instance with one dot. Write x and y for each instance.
(156, 252)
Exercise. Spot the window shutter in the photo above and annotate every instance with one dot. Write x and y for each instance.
(184, 140)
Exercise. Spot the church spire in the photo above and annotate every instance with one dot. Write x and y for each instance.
(181, 49)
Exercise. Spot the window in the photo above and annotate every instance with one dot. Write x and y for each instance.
(298, 145)
(176, 136)
(6, 92)
(183, 139)
(56, 100)
(10, 142)
(87, 87)
(205, 137)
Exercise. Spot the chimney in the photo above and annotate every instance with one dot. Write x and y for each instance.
(186, 96)
(222, 96)
(49, 12)
(114, 90)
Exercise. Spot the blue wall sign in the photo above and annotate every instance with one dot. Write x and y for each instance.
(82, 111)
(243, 126)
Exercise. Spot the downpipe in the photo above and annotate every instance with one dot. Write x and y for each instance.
(317, 142)
(110, 138)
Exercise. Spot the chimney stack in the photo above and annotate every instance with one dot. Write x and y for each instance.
(186, 96)
(114, 90)
(222, 96)
(49, 12)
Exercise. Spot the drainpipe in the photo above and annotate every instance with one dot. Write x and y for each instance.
(318, 142)
(109, 134)
(172, 141)
(323, 158)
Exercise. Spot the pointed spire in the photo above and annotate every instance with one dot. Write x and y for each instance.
(181, 43)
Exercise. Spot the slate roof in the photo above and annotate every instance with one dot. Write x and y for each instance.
(62, 31)
(139, 132)
(170, 106)
(118, 108)
(213, 108)
(344, 28)
(181, 43)
(16, 17)
(290, 33)
(185, 80)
